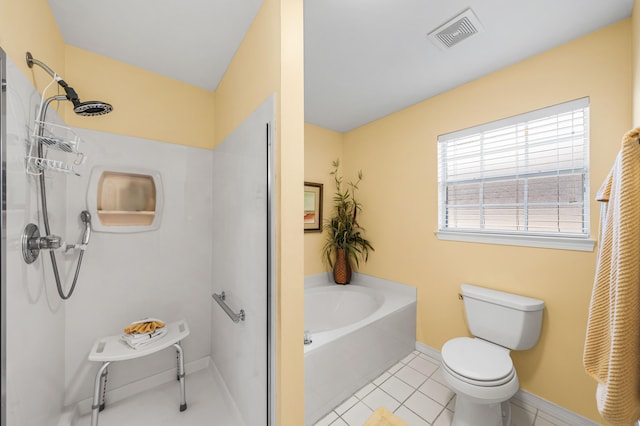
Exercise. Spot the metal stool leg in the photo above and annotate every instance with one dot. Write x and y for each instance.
(183, 400)
(103, 386)
(97, 393)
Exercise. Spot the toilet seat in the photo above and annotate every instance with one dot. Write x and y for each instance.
(477, 362)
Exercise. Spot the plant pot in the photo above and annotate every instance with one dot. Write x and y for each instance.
(342, 267)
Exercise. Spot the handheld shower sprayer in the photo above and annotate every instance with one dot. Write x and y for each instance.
(85, 217)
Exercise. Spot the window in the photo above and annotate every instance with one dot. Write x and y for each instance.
(523, 180)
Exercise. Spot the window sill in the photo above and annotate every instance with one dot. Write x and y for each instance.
(561, 243)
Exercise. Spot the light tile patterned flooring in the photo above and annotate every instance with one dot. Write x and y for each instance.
(415, 390)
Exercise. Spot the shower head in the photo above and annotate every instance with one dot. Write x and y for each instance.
(88, 109)
(91, 108)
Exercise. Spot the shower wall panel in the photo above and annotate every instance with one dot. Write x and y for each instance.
(239, 350)
(35, 313)
(163, 273)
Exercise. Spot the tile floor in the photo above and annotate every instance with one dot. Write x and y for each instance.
(413, 388)
(415, 391)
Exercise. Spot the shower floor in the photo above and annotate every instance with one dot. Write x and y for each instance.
(208, 402)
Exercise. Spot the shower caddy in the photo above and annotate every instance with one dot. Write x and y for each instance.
(51, 136)
(48, 136)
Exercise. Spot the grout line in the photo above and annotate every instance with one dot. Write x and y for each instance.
(530, 400)
(438, 416)
(415, 389)
(418, 415)
(413, 355)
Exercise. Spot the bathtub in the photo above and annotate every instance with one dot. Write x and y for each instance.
(357, 331)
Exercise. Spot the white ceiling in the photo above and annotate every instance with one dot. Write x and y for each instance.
(188, 40)
(364, 59)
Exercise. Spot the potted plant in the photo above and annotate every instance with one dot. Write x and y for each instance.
(345, 237)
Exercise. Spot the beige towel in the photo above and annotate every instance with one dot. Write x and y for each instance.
(612, 345)
(143, 326)
(384, 417)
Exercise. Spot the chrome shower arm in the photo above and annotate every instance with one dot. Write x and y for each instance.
(31, 61)
(71, 94)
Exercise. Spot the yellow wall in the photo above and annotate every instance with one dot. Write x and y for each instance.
(321, 148)
(289, 193)
(28, 25)
(635, 19)
(398, 155)
(253, 74)
(146, 104)
(270, 60)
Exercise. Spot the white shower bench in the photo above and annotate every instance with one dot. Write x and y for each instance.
(113, 348)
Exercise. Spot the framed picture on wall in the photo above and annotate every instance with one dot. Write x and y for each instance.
(312, 207)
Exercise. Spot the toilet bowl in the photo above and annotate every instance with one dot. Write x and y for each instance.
(479, 369)
(483, 378)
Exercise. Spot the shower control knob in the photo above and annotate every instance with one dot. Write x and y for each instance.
(32, 243)
(48, 242)
(30, 251)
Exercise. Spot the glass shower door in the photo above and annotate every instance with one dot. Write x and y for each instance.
(241, 264)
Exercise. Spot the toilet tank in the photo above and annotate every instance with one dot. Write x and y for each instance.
(506, 319)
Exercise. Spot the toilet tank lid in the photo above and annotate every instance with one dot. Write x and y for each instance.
(515, 301)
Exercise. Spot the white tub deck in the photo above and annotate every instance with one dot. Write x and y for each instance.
(340, 361)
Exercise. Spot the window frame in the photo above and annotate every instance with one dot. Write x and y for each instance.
(578, 242)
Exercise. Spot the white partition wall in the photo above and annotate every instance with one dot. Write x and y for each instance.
(240, 256)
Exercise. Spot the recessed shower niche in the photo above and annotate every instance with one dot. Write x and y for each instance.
(125, 199)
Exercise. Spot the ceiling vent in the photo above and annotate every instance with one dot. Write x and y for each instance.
(456, 30)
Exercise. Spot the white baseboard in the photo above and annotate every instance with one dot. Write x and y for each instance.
(84, 406)
(70, 416)
(553, 410)
(528, 398)
(429, 351)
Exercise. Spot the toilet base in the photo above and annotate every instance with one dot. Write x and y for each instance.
(469, 413)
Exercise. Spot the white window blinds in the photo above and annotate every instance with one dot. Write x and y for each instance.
(524, 175)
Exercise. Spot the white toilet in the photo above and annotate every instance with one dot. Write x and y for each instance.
(479, 370)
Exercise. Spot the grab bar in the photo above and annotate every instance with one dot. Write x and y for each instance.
(220, 298)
